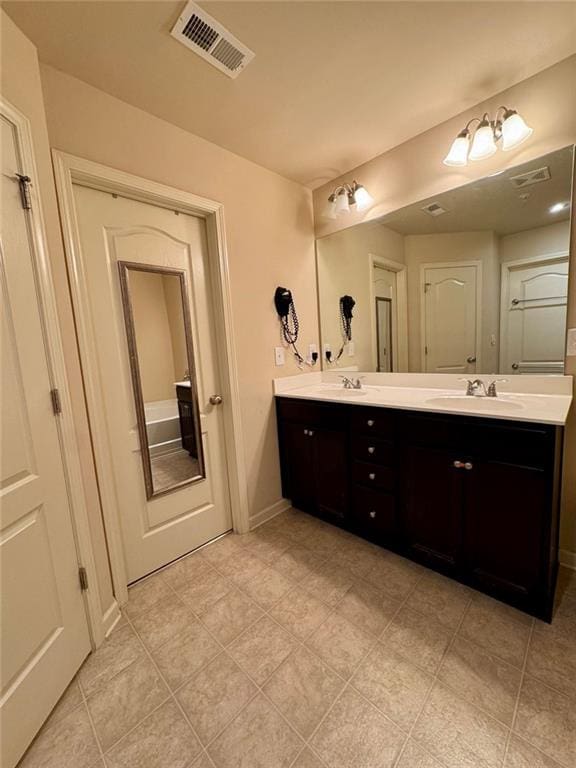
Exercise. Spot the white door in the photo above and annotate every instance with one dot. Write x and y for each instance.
(534, 317)
(44, 628)
(451, 319)
(112, 229)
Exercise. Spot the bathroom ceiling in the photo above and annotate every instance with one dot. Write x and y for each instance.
(333, 84)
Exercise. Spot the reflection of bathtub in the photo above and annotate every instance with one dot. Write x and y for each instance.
(162, 426)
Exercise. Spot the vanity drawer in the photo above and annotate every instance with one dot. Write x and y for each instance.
(311, 413)
(372, 421)
(374, 513)
(366, 448)
(374, 475)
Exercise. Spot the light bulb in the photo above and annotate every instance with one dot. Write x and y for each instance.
(557, 207)
(329, 211)
(458, 154)
(342, 205)
(483, 144)
(362, 198)
(514, 130)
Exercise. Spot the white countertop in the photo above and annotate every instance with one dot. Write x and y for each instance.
(548, 407)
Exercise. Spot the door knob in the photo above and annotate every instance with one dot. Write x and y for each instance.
(471, 359)
(215, 399)
(372, 476)
(515, 366)
(372, 514)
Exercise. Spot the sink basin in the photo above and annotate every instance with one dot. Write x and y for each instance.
(476, 403)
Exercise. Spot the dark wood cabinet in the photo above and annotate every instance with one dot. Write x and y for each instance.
(186, 417)
(474, 498)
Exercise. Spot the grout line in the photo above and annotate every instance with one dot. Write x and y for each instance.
(91, 720)
(517, 703)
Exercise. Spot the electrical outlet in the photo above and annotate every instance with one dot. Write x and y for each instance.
(311, 350)
(571, 342)
(279, 356)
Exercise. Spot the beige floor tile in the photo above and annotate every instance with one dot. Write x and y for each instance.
(324, 540)
(552, 659)
(203, 762)
(186, 570)
(499, 629)
(303, 689)
(143, 595)
(355, 734)
(116, 653)
(393, 575)
(563, 626)
(307, 759)
(261, 649)
(230, 616)
(482, 679)
(524, 755)
(329, 584)
(185, 653)
(441, 598)
(547, 719)
(340, 644)
(215, 695)
(458, 734)
(162, 740)
(421, 639)
(268, 545)
(67, 743)
(267, 587)
(300, 613)
(414, 756)
(70, 699)
(201, 593)
(125, 700)
(396, 686)
(221, 549)
(297, 563)
(163, 621)
(368, 608)
(258, 738)
(241, 567)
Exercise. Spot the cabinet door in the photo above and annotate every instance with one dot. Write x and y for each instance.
(330, 472)
(298, 456)
(505, 510)
(433, 506)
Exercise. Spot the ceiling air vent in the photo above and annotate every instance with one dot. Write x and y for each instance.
(531, 177)
(198, 31)
(434, 209)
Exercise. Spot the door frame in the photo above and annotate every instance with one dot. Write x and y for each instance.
(505, 271)
(57, 373)
(422, 304)
(400, 317)
(71, 170)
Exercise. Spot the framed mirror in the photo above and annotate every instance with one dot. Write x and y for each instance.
(159, 334)
(471, 281)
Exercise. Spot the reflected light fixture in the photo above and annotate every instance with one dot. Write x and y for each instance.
(507, 126)
(346, 198)
(558, 207)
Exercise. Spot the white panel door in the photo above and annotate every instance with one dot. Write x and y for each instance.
(113, 229)
(451, 317)
(385, 307)
(44, 628)
(534, 322)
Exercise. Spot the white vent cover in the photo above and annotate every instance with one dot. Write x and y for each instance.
(531, 177)
(434, 209)
(198, 31)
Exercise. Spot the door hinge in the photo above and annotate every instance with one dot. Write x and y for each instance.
(427, 287)
(56, 403)
(24, 183)
(425, 350)
(83, 578)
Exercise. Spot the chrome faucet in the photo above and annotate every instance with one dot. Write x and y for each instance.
(351, 383)
(477, 388)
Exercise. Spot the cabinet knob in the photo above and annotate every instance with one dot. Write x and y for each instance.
(310, 432)
(458, 464)
(305, 431)
(468, 465)
(371, 449)
(370, 422)
(372, 514)
(372, 476)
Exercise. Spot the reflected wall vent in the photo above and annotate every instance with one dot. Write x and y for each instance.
(200, 32)
(434, 209)
(530, 177)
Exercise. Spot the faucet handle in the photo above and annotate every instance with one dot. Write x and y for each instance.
(469, 386)
(492, 387)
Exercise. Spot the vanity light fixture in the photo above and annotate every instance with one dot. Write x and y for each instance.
(507, 126)
(346, 198)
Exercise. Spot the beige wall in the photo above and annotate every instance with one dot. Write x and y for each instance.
(539, 241)
(458, 246)
(269, 231)
(21, 86)
(173, 298)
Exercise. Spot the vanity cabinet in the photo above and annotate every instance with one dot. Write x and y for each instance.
(472, 497)
(186, 417)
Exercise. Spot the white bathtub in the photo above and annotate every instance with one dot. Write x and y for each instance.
(162, 426)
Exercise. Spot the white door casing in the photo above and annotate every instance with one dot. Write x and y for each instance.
(384, 281)
(45, 634)
(399, 311)
(533, 315)
(450, 317)
(113, 229)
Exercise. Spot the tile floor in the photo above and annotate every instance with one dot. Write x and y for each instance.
(298, 645)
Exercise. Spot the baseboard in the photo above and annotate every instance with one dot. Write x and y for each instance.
(567, 558)
(110, 618)
(268, 513)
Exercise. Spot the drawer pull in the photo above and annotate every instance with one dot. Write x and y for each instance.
(372, 514)
(372, 476)
(370, 422)
(371, 449)
(463, 464)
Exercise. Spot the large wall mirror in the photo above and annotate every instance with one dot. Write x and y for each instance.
(158, 328)
(471, 281)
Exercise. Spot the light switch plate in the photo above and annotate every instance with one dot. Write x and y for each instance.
(571, 342)
(279, 356)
